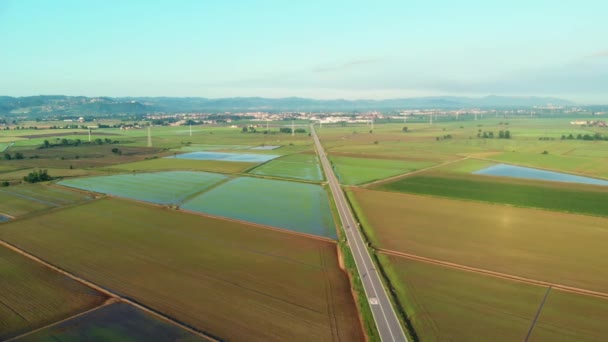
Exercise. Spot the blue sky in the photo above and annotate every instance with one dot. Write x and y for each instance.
(321, 49)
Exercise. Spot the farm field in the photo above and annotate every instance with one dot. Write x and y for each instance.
(208, 147)
(449, 304)
(228, 279)
(32, 296)
(513, 171)
(166, 164)
(571, 317)
(178, 136)
(298, 166)
(561, 248)
(558, 196)
(294, 206)
(114, 322)
(354, 171)
(57, 173)
(229, 157)
(80, 157)
(595, 166)
(170, 187)
(27, 198)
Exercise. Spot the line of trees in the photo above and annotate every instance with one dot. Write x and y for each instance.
(596, 136)
(17, 155)
(36, 176)
(502, 134)
(76, 142)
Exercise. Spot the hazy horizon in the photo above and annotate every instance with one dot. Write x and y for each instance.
(353, 50)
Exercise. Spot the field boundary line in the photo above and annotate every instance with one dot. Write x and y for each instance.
(202, 191)
(392, 178)
(109, 301)
(258, 225)
(107, 292)
(538, 312)
(565, 288)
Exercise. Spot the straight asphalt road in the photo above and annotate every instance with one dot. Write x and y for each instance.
(385, 316)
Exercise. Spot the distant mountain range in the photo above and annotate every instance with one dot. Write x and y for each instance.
(81, 105)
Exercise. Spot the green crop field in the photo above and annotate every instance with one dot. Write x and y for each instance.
(353, 171)
(23, 199)
(234, 281)
(446, 304)
(32, 296)
(170, 187)
(114, 322)
(298, 166)
(158, 164)
(295, 206)
(465, 166)
(559, 196)
(556, 247)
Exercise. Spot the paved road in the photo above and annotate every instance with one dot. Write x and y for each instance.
(384, 314)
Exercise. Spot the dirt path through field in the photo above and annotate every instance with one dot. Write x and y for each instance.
(411, 173)
(107, 292)
(495, 274)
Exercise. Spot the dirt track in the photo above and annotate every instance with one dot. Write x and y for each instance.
(496, 274)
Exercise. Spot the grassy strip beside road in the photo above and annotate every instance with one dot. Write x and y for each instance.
(397, 302)
(584, 199)
(365, 312)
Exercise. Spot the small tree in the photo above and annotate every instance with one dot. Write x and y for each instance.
(7, 156)
(507, 134)
(404, 129)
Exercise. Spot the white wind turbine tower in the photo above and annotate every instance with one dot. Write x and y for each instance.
(150, 135)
